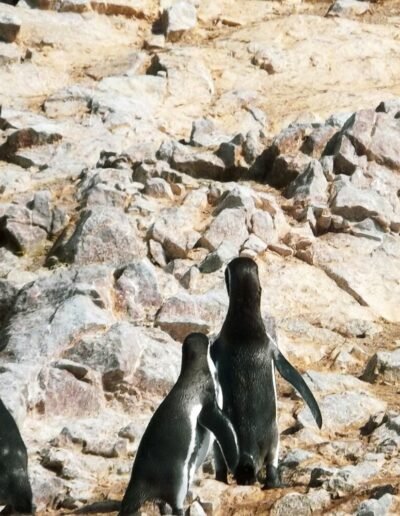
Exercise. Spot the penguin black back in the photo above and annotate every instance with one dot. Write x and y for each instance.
(15, 488)
(176, 438)
(245, 356)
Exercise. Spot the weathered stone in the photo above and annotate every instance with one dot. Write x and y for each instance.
(254, 244)
(347, 8)
(174, 230)
(138, 289)
(48, 314)
(373, 507)
(292, 504)
(310, 186)
(355, 204)
(182, 314)
(10, 26)
(286, 168)
(218, 258)
(206, 134)
(262, 225)
(157, 253)
(344, 411)
(159, 188)
(22, 139)
(315, 143)
(391, 106)
(63, 394)
(229, 226)
(332, 382)
(384, 365)
(370, 273)
(179, 18)
(101, 236)
(386, 438)
(115, 354)
(198, 164)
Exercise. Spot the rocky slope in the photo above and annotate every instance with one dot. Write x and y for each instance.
(139, 153)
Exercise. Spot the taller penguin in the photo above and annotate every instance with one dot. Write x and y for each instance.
(245, 356)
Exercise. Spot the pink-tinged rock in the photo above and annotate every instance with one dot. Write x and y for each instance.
(183, 313)
(63, 394)
(229, 226)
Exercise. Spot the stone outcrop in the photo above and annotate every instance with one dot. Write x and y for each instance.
(143, 145)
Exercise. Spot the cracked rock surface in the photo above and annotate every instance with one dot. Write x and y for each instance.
(143, 145)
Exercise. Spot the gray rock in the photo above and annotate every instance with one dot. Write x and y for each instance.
(179, 18)
(10, 26)
(229, 226)
(9, 53)
(370, 273)
(236, 198)
(206, 134)
(386, 438)
(292, 504)
(218, 258)
(373, 507)
(8, 293)
(159, 364)
(327, 382)
(314, 144)
(384, 365)
(100, 236)
(345, 158)
(198, 164)
(344, 411)
(63, 394)
(254, 244)
(356, 204)
(48, 330)
(183, 313)
(138, 289)
(286, 168)
(157, 253)
(115, 353)
(347, 8)
(262, 225)
(310, 186)
(159, 188)
(8, 262)
(174, 230)
(391, 106)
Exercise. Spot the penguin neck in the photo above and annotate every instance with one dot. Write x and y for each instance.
(244, 317)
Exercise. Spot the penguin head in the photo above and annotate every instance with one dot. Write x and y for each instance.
(195, 350)
(241, 278)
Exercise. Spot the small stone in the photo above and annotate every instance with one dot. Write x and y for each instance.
(10, 25)
(178, 18)
(378, 507)
(281, 249)
(159, 188)
(384, 365)
(229, 226)
(347, 8)
(292, 504)
(157, 253)
(218, 258)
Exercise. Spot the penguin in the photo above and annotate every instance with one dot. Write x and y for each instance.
(178, 436)
(246, 356)
(15, 488)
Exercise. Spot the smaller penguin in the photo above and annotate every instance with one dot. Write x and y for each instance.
(177, 438)
(15, 489)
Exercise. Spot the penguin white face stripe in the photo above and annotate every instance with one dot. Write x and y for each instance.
(276, 451)
(186, 474)
(214, 375)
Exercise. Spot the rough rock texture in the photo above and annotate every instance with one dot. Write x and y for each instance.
(143, 145)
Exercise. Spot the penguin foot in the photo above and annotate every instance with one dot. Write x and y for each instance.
(272, 481)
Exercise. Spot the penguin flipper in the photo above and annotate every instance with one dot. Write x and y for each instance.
(290, 374)
(212, 418)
